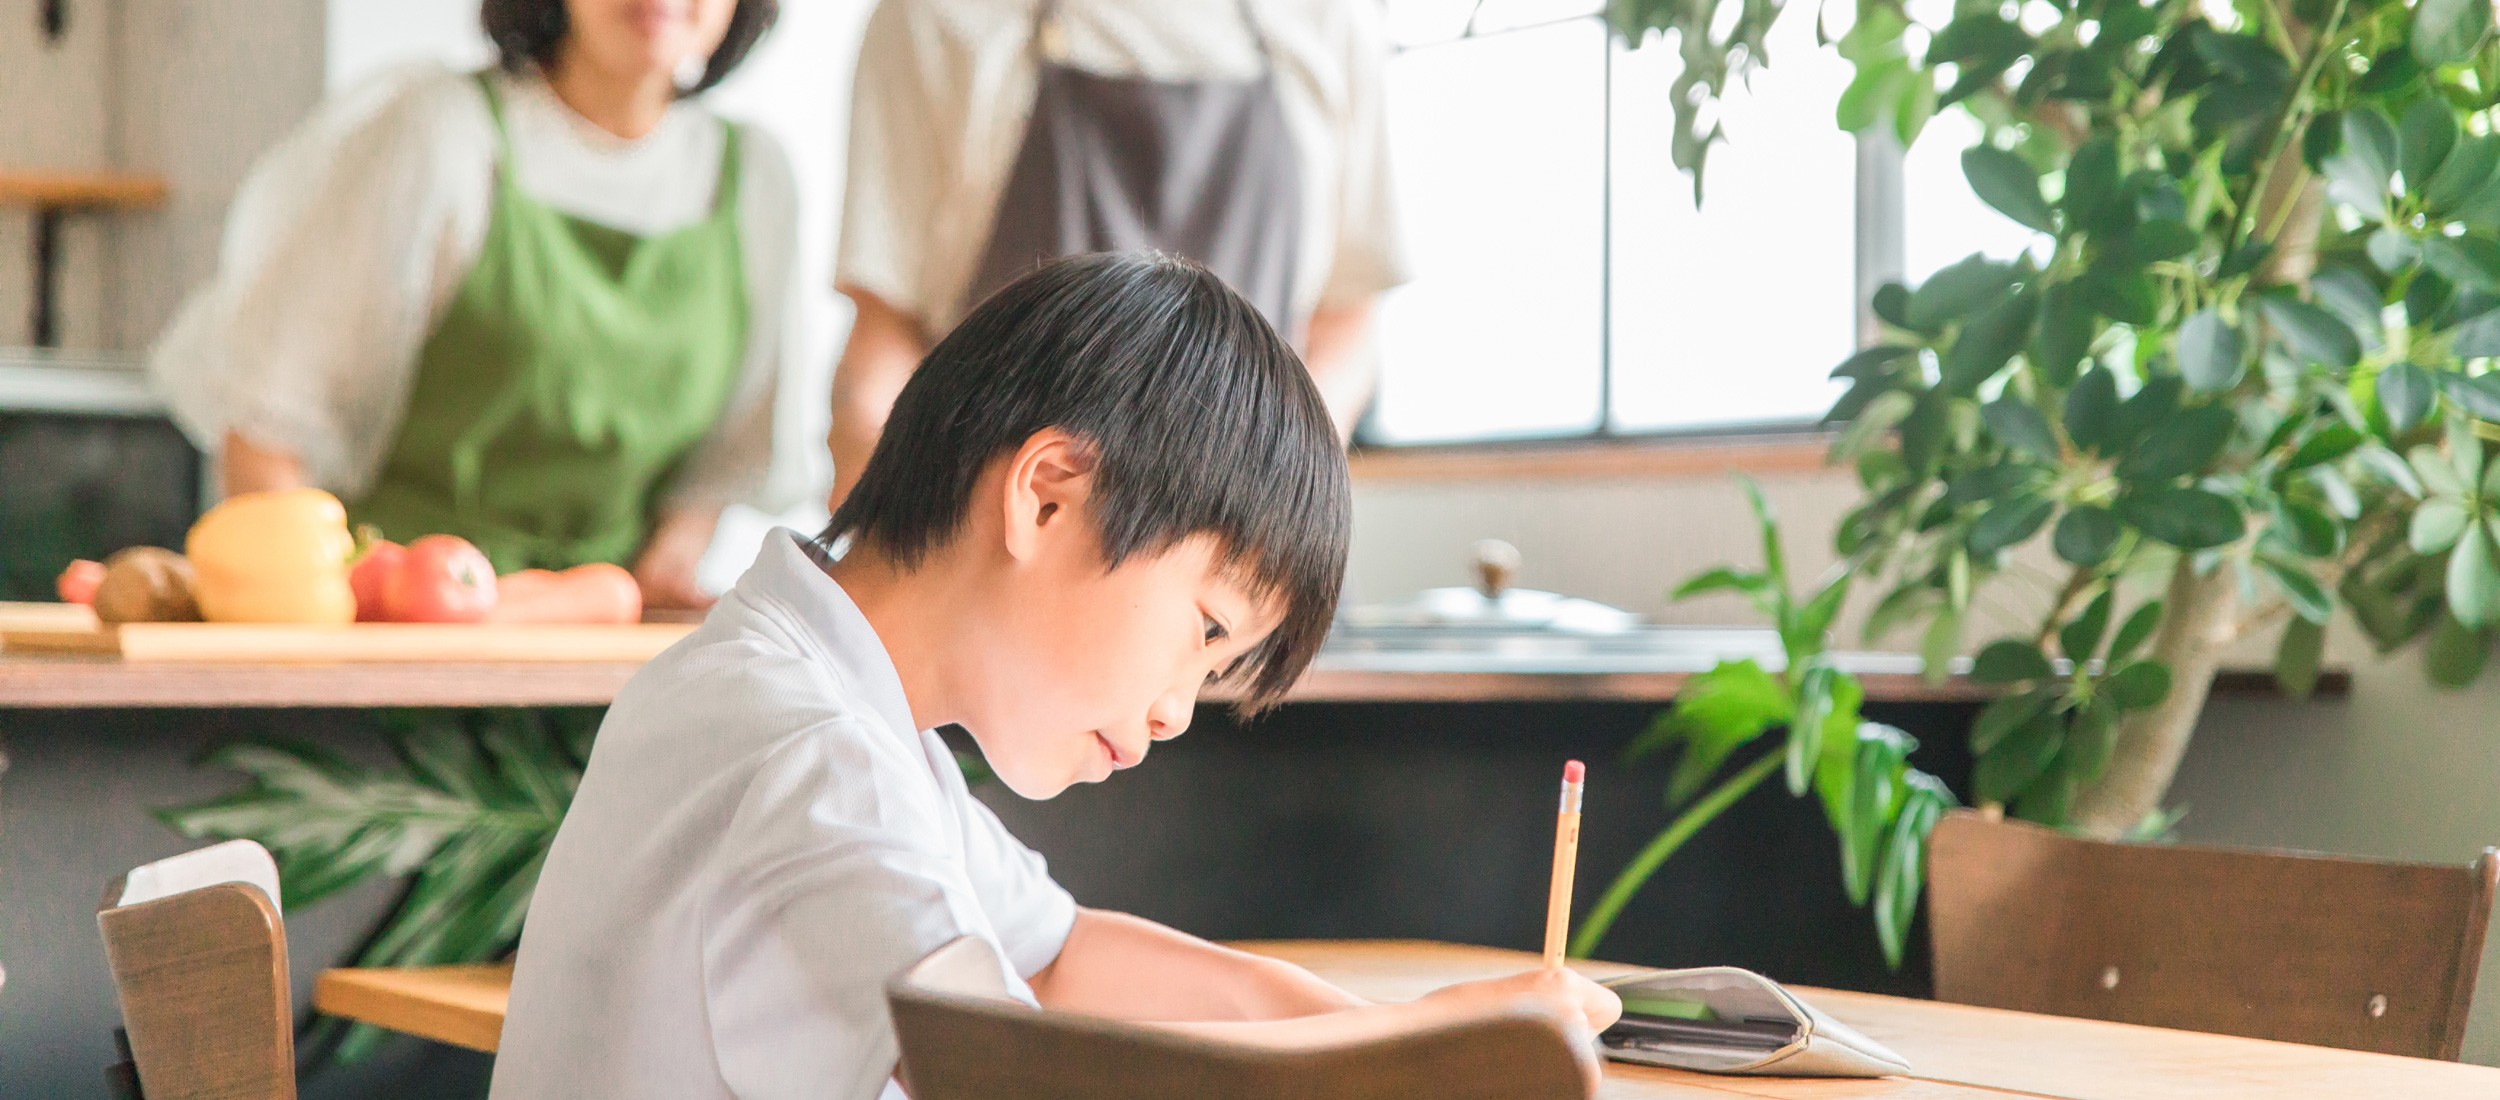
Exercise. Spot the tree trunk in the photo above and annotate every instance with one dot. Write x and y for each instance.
(2295, 255)
(2199, 619)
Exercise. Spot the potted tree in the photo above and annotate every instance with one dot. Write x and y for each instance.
(2249, 384)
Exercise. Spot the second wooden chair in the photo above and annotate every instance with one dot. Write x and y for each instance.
(198, 954)
(2360, 954)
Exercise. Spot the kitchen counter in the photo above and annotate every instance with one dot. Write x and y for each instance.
(1650, 665)
(49, 380)
(1403, 792)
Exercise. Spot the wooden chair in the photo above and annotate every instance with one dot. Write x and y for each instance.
(198, 953)
(963, 1039)
(2360, 954)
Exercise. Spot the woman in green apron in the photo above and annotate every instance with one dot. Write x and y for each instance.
(542, 307)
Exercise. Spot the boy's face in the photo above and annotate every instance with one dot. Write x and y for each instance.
(1080, 670)
(1093, 667)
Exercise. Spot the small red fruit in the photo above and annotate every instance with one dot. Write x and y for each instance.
(382, 557)
(77, 584)
(443, 579)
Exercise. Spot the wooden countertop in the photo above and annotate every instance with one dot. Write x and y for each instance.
(1956, 1052)
(421, 666)
(69, 682)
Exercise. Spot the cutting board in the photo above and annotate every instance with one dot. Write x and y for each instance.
(45, 617)
(23, 631)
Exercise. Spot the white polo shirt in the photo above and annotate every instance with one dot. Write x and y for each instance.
(760, 841)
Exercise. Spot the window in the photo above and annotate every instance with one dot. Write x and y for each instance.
(1566, 285)
(1500, 143)
(1943, 220)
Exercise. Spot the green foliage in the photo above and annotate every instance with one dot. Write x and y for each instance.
(470, 813)
(2194, 369)
(1880, 808)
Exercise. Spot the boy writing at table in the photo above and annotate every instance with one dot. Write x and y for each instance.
(1109, 488)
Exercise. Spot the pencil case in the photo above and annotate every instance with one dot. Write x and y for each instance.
(1721, 1019)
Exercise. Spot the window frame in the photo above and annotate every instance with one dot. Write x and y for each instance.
(1879, 250)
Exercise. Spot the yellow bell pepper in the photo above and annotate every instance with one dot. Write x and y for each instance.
(276, 557)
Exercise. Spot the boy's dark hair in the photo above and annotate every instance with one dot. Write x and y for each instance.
(527, 32)
(1202, 422)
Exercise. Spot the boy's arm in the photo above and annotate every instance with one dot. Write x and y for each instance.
(1125, 967)
(1131, 968)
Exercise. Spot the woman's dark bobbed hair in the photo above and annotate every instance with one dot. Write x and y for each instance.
(527, 32)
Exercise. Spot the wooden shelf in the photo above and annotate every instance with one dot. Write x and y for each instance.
(79, 190)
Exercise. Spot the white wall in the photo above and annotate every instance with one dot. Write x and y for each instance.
(54, 101)
(186, 91)
(199, 90)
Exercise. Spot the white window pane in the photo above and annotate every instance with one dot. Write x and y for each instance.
(1942, 220)
(1499, 146)
(1734, 314)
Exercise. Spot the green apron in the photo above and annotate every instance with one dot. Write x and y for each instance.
(575, 368)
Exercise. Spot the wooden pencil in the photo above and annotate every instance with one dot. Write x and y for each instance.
(1566, 855)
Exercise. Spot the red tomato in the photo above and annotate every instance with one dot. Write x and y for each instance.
(382, 558)
(77, 584)
(443, 579)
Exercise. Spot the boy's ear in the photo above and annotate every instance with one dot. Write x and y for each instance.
(1048, 480)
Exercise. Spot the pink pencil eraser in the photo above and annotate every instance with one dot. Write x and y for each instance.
(1575, 772)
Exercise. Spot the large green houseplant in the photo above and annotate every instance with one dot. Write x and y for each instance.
(2247, 384)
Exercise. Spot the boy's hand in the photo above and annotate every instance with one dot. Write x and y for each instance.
(1577, 999)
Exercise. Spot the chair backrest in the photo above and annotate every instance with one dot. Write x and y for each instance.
(202, 976)
(962, 1043)
(2360, 954)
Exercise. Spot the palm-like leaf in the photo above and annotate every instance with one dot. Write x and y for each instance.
(477, 804)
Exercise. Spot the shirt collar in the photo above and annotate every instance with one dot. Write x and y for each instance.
(789, 572)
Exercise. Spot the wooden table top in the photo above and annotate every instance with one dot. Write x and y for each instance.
(1958, 1052)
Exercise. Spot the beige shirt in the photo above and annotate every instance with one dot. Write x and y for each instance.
(945, 86)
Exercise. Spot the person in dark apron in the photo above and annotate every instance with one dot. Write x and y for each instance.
(1206, 168)
(1201, 168)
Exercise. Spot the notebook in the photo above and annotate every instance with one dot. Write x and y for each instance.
(1719, 1019)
